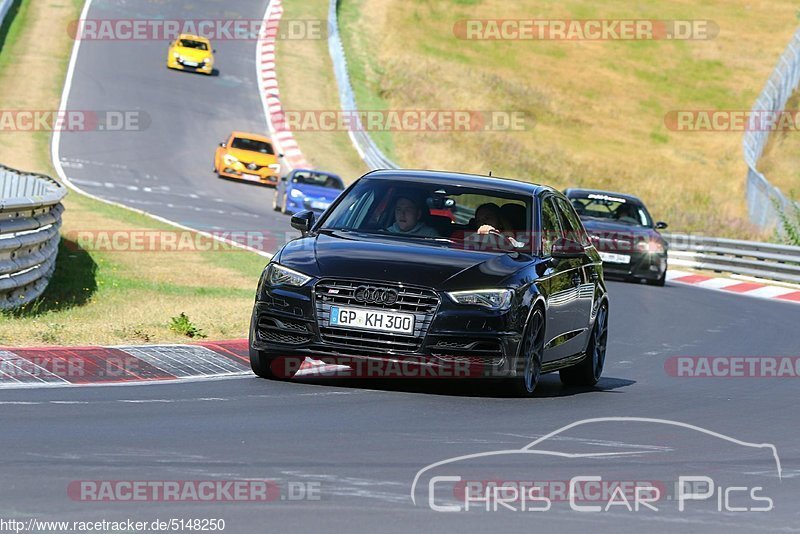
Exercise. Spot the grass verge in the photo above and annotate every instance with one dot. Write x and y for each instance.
(594, 111)
(97, 296)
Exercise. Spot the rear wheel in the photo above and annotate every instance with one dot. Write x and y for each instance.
(524, 384)
(588, 371)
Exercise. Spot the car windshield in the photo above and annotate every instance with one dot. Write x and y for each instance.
(242, 143)
(191, 43)
(318, 179)
(613, 208)
(451, 215)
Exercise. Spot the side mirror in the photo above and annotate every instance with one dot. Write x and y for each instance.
(303, 221)
(222, 145)
(564, 248)
(661, 225)
(280, 155)
(214, 51)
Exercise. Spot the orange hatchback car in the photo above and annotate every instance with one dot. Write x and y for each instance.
(248, 156)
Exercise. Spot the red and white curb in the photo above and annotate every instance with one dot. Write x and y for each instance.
(37, 367)
(270, 94)
(736, 286)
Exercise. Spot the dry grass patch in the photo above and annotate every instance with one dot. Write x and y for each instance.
(594, 110)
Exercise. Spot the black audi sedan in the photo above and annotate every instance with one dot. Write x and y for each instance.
(624, 234)
(438, 268)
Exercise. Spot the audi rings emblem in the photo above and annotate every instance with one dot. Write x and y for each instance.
(376, 295)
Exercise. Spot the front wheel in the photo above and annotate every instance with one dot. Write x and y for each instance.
(275, 201)
(531, 352)
(588, 371)
(660, 281)
(271, 368)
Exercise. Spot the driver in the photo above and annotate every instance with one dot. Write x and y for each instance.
(407, 219)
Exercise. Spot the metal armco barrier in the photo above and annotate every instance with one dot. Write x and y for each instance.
(366, 147)
(30, 217)
(763, 260)
(762, 196)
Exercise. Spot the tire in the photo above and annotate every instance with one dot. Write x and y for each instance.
(264, 367)
(587, 372)
(283, 206)
(659, 281)
(531, 353)
(275, 201)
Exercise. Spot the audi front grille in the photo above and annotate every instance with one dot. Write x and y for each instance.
(421, 302)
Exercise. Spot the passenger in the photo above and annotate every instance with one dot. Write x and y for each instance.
(490, 219)
(407, 219)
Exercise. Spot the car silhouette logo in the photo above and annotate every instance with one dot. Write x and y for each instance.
(375, 295)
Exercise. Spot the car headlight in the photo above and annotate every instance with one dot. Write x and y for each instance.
(206, 60)
(296, 193)
(496, 299)
(278, 275)
(652, 246)
(275, 166)
(176, 55)
(229, 160)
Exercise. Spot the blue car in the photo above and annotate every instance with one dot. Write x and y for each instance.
(305, 189)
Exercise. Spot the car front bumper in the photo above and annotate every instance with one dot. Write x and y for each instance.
(264, 175)
(642, 266)
(204, 68)
(292, 324)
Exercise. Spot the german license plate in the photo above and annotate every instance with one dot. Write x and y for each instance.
(190, 63)
(253, 177)
(377, 320)
(609, 257)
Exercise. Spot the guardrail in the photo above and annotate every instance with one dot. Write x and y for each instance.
(762, 260)
(762, 196)
(5, 5)
(30, 217)
(366, 147)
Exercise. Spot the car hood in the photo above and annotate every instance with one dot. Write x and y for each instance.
(317, 191)
(611, 227)
(248, 156)
(394, 259)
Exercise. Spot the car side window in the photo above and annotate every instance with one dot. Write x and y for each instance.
(572, 223)
(551, 226)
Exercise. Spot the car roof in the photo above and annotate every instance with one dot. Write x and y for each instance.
(584, 192)
(460, 179)
(193, 37)
(253, 136)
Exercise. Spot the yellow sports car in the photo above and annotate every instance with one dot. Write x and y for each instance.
(191, 52)
(248, 156)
